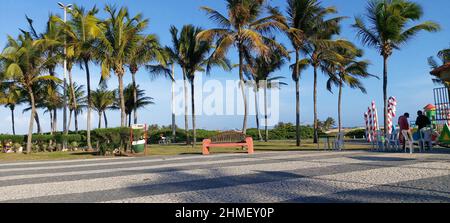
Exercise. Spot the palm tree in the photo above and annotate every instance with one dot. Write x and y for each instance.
(318, 45)
(52, 43)
(242, 29)
(346, 69)
(102, 100)
(298, 27)
(10, 97)
(444, 57)
(389, 29)
(146, 49)
(194, 56)
(78, 102)
(174, 54)
(122, 33)
(260, 71)
(141, 100)
(84, 32)
(25, 65)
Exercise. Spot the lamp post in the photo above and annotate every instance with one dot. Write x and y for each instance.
(65, 129)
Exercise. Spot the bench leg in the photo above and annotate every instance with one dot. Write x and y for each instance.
(251, 148)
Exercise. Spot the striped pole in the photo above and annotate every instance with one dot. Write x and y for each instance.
(375, 120)
(370, 124)
(366, 118)
(392, 109)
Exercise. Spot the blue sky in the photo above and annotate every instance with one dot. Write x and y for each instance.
(408, 81)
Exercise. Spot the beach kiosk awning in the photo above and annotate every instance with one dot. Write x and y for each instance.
(442, 72)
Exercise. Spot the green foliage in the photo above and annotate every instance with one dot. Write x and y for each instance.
(359, 133)
(114, 138)
(60, 138)
(13, 138)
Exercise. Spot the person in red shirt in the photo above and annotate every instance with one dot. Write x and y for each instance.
(404, 125)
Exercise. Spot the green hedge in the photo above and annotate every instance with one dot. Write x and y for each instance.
(114, 138)
(358, 133)
(13, 138)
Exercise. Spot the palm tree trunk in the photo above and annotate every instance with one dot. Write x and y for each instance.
(242, 83)
(340, 106)
(123, 121)
(316, 124)
(30, 128)
(51, 126)
(257, 115)
(385, 97)
(51, 123)
(133, 75)
(55, 120)
(75, 118)
(70, 120)
(100, 120)
(266, 114)
(72, 92)
(106, 119)
(38, 123)
(186, 110)
(297, 98)
(88, 80)
(174, 124)
(129, 120)
(13, 121)
(194, 133)
(297, 112)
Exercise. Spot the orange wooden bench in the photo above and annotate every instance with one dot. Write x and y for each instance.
(228, 139)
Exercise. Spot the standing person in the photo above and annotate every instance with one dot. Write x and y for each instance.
(404, 125)
(422, 120)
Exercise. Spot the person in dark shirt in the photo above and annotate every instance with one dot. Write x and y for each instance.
(422, 120)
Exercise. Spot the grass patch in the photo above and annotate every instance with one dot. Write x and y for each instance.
(173, 150)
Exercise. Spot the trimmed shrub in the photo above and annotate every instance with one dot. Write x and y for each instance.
(13, 138)
(358, 133)
(114, 138)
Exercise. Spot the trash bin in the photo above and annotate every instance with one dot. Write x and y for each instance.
(139, 146)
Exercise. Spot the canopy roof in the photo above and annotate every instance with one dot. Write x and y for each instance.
(439, 70)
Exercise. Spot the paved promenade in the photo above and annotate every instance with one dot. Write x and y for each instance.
(263, 177)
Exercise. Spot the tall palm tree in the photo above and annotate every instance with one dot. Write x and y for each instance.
(146, 49)
(84, 32)
(78, 102)
(25, 65)
(243, 28)
(52, 42)
(102, 100)
(10, 96)
(346, 70)
(388, 29)
(261, 72)
(122, 33)
(298, 26)
(194, 56)
(318, 45)
(131, 105)
(175, 55)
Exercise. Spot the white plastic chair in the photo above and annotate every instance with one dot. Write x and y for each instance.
(393, 140)
(380, 140)
(426, 139)
(408, 141)
(339, 142)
